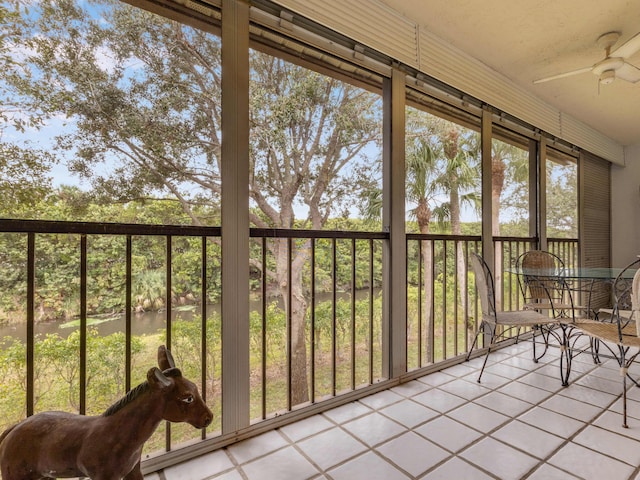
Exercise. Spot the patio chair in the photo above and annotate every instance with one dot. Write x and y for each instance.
(543, 286)
(496, 324)
(621, 335)
(626, 294)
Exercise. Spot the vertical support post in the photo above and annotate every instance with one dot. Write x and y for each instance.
(542, 194)
(83, 325)
(31, 292)
(371, 257)
(394, 325)
(263, 310)
(334, 300)
(169, 287)
(312, 394)
(353, 314)
(128, 293)
(581, 220)
(235, 215)
(534, 193)
(203, 324)
(289, 326)
(487, 205)
(488, 251)
(168, 309)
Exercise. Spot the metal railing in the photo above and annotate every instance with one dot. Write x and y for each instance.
(86, 255)
(332, 282)
(315, 318)
(566, 249)
(442, 308)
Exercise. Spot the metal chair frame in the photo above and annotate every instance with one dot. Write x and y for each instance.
(621, 334)
(542, 286)
(492, 319)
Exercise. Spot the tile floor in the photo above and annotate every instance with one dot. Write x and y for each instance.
(519, 423)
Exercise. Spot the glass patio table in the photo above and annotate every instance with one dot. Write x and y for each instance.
(595, 273)
(576, 273)
(579, 279)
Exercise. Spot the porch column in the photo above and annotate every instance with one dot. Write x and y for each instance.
(542, 193)
(394, 323)
(235, 215)
(534, 193)
(487, 204)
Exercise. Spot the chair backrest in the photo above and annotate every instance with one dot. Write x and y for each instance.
(540, 259)
(538, 280)
(635, 290)
(626, 293)
(484, 284)
(623, 288)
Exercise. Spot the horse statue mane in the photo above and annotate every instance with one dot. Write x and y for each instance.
(135, 392)
(107, 446)
(130, 396)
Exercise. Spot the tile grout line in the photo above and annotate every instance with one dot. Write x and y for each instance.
(460, 376)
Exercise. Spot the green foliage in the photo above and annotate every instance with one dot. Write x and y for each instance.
(56, 372)
(562, 200)
(24, 176)
(186, 346)
(58, 262)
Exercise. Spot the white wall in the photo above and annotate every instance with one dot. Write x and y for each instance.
(625, 206)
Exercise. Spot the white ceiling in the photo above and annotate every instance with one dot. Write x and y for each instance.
(527, 40)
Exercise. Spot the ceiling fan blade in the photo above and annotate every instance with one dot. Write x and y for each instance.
(628, 72)
(563, 75)
(628, 48)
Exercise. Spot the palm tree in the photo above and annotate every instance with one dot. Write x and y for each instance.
(461, 180)
(440, 161)
(422, 188)
(509, 165)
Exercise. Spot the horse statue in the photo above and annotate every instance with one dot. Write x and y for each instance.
(104, 447)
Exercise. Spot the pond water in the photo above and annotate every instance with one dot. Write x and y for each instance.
(141, 323)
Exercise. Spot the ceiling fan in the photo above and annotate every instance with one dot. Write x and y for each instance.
(614, 64)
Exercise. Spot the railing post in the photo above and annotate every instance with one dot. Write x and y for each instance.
(128, 309)
(83, 325)
(31, 292)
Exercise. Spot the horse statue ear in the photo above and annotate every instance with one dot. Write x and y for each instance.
(172, 372)
(156, 377)
(165, 359)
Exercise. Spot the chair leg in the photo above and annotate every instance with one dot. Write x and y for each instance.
(475, 340)
(626, 363)
(635, 382)
(594, 343)
(565, 357)
(471, 348)
(533, 339)
(545, 338)
(624, 402)
(486, 357)
(624, 369)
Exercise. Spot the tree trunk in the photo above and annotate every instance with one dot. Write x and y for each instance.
(423, 217)
(295, 305)
(427, 286)
(461, 265)
(497, 185)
